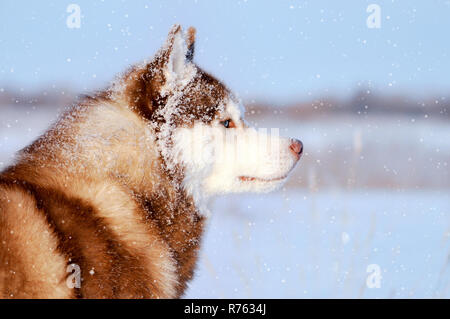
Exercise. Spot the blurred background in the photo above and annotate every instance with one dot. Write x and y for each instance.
(366, 213)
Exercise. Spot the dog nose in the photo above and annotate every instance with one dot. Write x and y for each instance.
(296, 147)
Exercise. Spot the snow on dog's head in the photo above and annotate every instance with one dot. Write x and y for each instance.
(200, 128)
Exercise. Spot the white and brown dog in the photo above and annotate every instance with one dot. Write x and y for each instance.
(116, 189)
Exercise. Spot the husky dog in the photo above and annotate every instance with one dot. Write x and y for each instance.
(111, 201)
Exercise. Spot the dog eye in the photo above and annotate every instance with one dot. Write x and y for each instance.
(228, 123)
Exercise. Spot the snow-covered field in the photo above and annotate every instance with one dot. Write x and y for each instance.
(317, 237)
(302, 244)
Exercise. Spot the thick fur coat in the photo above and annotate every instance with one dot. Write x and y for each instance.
(118, 187)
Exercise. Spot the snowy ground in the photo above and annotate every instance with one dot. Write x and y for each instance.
(317, 237)
(296, 244)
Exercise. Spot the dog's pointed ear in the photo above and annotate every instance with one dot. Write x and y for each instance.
(190, 43)
(178, 52)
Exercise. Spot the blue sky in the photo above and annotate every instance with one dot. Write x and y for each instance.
(264, 49)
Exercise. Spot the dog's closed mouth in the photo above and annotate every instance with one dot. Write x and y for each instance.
(258, 179)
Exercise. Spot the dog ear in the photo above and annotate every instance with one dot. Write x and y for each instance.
(190, 43)
(178, 53)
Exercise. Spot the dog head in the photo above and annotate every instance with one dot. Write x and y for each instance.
(200, 128)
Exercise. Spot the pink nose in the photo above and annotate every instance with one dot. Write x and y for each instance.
(296, 147)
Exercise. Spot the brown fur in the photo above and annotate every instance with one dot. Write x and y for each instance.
(91, 191)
